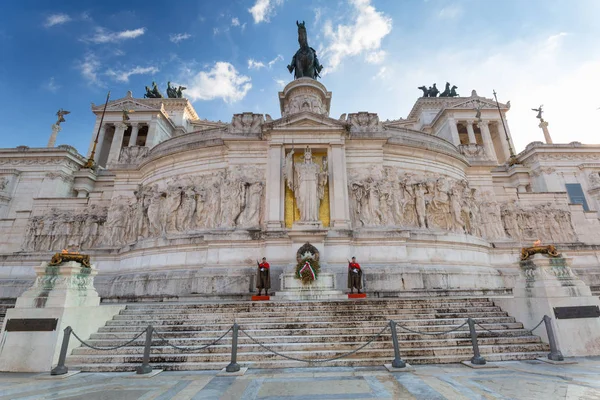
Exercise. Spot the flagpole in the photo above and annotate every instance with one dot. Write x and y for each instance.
(90, 162)
(512, 153)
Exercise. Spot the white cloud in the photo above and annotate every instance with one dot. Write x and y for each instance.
(382, 74)
(280, 82)
(273, 61)
(123, 76)
(528, 72)
(215, 31)
(221, 82)
(56, 19)
(376, 57)
(262, 10)
(51, 85)
(178, 37)
(450, 12)
(104, 36)
(235, 22)
(89, 69)
(255, 64)
(364, 34)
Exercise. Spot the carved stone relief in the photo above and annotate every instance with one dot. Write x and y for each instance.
(304, 102)
(364, 121)
(386, 197)
(246, 123)
(226, 199)
(594, 178)
(58, 229)
(133, 154)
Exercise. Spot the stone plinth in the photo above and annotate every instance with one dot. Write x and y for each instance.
(65, 292)
(323, 288)
(544, 283)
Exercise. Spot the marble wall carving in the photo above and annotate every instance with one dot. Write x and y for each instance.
(364, 121)
(546, 222)
(58, 229)
(246, 123)
(133, 154)
(4, 181)
(305, 102)
(231, 198)
(385, 198)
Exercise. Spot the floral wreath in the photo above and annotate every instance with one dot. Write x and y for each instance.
(308, 268)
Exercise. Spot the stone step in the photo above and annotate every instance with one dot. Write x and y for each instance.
(403, 340)
(383, 342)
(321, 315)
(260, 355)
(282, 363)
(317, 326)
(351, 318)
(283, 307)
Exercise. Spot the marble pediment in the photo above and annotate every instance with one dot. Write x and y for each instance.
(130, 105)
(476, 102)
(307, 119)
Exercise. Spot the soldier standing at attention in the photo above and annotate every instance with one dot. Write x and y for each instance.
(354, 275)
(264, 277)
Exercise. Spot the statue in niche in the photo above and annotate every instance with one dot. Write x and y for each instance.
(307, 180)
(305, 62)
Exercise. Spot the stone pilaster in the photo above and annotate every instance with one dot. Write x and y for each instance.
(471, 132)
(454, 132)
(274, 188)
(134, 133)
(100, 143)
(487, 140)
(115, 147)
(340, 208)
(151, 139)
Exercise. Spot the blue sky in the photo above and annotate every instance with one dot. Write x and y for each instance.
(232, 56)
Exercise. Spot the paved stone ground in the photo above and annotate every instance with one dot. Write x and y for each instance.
(512, 380)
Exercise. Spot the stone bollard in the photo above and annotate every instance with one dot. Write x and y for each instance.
(233, 365)
(398, 362)
(61, 369)
(555, 354)
(146, 368)
(476, 359)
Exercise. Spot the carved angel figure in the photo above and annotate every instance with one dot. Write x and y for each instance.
(61, 116)
(307, 180)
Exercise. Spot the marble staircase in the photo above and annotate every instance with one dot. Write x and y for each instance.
(5, 304)
(306, 329)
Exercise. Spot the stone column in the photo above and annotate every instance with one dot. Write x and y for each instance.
(115, 147)
(454, 132)
(503, 141)
(487, 140)
(274, 189)
(544, 126)
(55, 130)
(339, 205)
(152, 132)
(471, 132)
(134, 134)
(100, 143)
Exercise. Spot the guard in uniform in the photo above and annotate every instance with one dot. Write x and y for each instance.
(354, 275)
(263, 278)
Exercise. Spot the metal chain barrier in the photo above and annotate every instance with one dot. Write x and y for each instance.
(108, 348)
(431, 333)
(166, 341)
(373, 338)
(529, 331)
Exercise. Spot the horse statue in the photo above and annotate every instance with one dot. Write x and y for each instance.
(425, 90)
(453, 91)
(433, 91)
(171, 91)
(446, 92)
(180, 90)
(304, 62)
(153, 93)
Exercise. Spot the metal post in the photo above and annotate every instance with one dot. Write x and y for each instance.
(398, 362)
(555, 354)
(233, 365)
(477, 359)
(61, 369)
(145, 368)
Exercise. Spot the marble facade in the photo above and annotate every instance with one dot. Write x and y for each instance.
(180, 206)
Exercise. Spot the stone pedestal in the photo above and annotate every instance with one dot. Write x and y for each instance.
(52, 140)
(66, 293)
(323, 288)
(544, 283)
